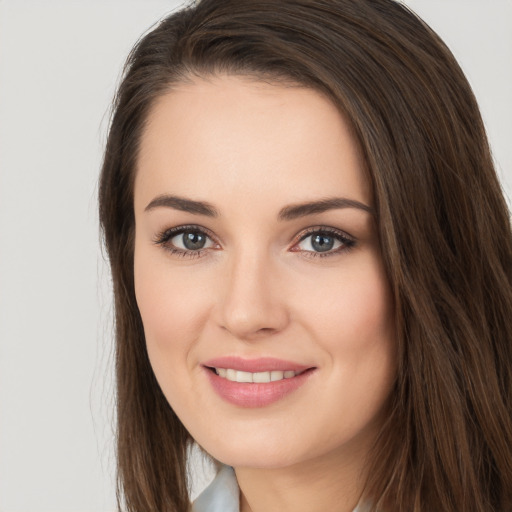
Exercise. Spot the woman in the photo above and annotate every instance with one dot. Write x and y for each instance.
(311, 259)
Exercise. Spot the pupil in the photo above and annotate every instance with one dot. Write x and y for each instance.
(322, 243)
(193, 240)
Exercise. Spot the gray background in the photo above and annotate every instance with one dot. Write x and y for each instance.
(59, 64)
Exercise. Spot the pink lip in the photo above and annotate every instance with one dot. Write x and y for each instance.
(247, 394)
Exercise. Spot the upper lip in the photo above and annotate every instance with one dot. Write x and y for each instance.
(262, 364)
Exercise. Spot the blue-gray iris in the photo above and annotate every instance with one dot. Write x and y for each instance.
(322, 243)
(194, 240)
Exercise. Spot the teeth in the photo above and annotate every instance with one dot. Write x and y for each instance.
(259, 377)
(243, 377)
(276, 376)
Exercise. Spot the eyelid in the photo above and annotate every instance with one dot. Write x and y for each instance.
(348, 241)
(164, 236)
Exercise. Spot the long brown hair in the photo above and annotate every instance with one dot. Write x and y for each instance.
(443, 224)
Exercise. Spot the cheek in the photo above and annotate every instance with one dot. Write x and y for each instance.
(352, 320)
(172, 308)
(353, 309)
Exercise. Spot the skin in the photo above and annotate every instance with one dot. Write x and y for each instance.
(260, 288)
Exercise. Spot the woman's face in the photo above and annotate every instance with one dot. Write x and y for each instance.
(258, 274)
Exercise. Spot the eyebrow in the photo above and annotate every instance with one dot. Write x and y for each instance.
(182, 204)
(301, 210)
(287, 213)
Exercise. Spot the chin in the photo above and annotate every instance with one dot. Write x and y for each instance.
(252, 450)
(266, 451)
(277, 445)
(255, 458)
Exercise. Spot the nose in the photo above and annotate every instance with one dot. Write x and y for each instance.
(252, 302)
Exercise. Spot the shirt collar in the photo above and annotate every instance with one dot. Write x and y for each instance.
(222, 495)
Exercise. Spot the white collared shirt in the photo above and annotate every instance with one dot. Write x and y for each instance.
(222, 495)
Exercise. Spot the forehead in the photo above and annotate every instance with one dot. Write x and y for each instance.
(232, 135)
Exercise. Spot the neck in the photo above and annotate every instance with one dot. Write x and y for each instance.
(313, 486)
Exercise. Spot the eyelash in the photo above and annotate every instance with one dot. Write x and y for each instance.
(347, 241)
(165, 236)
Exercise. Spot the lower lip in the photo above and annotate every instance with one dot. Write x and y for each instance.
(247, 394)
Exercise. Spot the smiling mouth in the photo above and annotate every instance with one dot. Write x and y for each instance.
(256, 377)
(270, 381)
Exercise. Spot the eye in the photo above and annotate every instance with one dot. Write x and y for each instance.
(191, 240)
(324, 242)
(185, 240)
